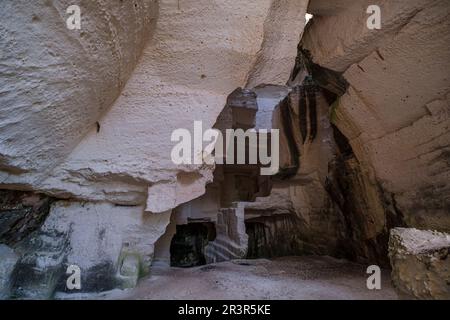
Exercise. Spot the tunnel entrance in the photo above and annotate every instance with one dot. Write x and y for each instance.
(187, 248)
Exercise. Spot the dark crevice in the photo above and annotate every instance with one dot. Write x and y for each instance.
(302, 114)
(21, 213)
(347, 189)
(325, 78)
(187, 248)
(305, 97)
(344, 147)
(288, 131)
(312, 104)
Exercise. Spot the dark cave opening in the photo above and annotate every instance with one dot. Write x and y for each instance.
(187, 248)
(273, 236)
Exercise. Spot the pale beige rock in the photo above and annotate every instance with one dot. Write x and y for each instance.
(303, 197)
(56, 136)
(341, 38)
(56, 83)
(420, 263)
(111, 245)
(328, 8)
(196, 54)
(99, 232)
(179, 79)
(185, 74)
(396, 110)
(282, 32)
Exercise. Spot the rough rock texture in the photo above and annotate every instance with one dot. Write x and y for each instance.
(288, 278)
(282, 32)
(306, 148)
(420, 263)
(276, 235)
(395, 113)
(366, 213)
(90, 115)
(56, 83)
(328, 8)
(232, 240)
(8, 260)
(111, 245)
(87, 116)
(184, 74)
(21, 213)
(223, 204)
(375, 175)
(174, 84)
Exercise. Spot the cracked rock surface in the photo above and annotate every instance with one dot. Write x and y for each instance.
(420, 263)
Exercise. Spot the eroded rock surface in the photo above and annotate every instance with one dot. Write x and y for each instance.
(89, 115)
(110, 244)
(56, 83)
(8, 260)
(185, 73)
(395, 112)
(21, 213)
(420, 263)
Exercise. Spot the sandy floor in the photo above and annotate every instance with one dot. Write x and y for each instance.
(284, 278)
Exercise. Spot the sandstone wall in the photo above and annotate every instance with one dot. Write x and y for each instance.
(395, 112)
(420, 263)
(89, 115)
(201, 51)
(56, 83)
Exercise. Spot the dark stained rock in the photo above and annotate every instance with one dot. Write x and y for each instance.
(21, 213)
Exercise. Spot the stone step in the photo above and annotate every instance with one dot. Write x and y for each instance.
(230, 245)
(223, 250)
(215, 256)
